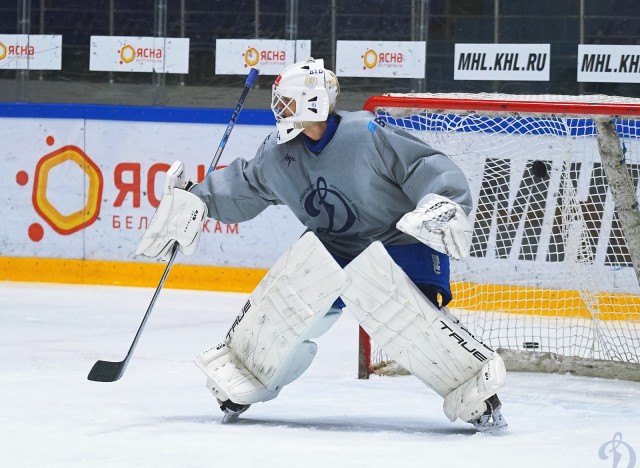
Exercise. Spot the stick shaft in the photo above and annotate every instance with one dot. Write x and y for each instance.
(107, 371)
(174, 252)
(251, 78)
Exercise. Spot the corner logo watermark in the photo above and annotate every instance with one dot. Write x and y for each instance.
(618, 452)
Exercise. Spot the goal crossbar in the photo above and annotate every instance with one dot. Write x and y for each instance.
(565, 105)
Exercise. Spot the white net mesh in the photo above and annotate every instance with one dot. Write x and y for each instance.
(550, 268)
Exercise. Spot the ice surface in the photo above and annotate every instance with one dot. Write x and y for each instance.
(161, 415)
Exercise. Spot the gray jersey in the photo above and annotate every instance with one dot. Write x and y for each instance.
(363, 181)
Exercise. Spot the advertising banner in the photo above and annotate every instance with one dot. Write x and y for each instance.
(270, 56)
(139, 54)
(609, 63)
(87, 189)
(502, 62)
(388, 59)
(30, 52)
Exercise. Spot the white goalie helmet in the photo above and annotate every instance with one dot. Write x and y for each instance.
(304, 93)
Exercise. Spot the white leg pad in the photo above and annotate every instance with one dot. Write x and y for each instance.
(467, 402)
(267, 345)
(426, 341)
(229, 379)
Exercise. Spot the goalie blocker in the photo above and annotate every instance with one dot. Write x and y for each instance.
(179, 218)
(427, 341)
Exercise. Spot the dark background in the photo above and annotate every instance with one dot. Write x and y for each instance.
(562, 23)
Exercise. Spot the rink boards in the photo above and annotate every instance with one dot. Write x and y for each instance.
(80, 184)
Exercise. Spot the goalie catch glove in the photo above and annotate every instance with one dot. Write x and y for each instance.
(179, 218)
(441, 224)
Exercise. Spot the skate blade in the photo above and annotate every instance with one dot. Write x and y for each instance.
(496, 425)
(492, 428)
(230, 417)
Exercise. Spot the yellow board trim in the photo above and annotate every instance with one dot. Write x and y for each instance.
(555, 303)
(51, 270)
(487, 297)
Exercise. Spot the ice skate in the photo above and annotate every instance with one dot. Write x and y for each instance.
(231, 411)
(491, 420)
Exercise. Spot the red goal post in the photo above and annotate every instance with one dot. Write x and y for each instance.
(503, 103)
(552, 282)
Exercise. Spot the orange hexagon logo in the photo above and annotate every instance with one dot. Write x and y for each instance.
(70, 223)
(370, 58)
(251, 56)
(127, 54)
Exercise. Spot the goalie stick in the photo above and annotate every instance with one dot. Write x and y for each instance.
(108, 371)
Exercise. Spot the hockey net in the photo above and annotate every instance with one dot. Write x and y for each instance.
(552, 280)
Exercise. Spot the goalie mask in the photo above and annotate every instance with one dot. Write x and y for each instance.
(303, 94)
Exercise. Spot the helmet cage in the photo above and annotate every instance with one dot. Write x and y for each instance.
(300, 98)
(303, 105)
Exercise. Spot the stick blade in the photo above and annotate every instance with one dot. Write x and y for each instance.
(106, 371)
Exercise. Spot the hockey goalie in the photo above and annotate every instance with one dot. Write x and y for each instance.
(384, 213)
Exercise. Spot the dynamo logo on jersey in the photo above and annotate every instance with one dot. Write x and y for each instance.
(326, 201)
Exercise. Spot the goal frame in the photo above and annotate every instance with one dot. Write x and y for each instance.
(603, 114)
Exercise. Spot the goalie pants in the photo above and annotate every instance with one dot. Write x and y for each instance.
(427, 268)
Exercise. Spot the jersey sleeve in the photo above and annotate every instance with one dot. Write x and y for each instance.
(236, 193)
(418, 168)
